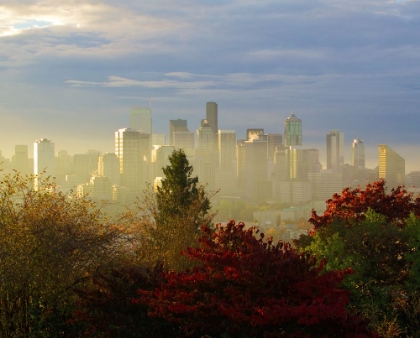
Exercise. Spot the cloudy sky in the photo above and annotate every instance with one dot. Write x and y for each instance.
(71, 70)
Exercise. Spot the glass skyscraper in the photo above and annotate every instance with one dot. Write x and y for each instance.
(292, 131)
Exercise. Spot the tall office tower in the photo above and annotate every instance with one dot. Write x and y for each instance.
(141, 119)
(227, 160)
(273, 141)
(358, 160)
(256, 171)
(109, 166)
(211, 116)
(184, 140)
(292, 131)
(335, 150)
(44, 157)
(205, 136)
(133, 165)
(391, 167)
(176, 125)
(358, 153)
(21, 162)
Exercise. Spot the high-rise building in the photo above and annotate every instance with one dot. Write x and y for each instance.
(335, 150)
(391, 167)
(227, 160)
(141, 119)
(256, 169)
(292, 131)
(273, 141)
(133, 151)
(176, 125)
(358, 160)
(44, 157)
(212, 116)
(358, 153)
(205, 136)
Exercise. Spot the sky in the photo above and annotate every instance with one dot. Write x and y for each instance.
(71, 70)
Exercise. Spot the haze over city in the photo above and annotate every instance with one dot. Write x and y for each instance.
(71, 70)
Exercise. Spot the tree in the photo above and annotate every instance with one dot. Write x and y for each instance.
(377, 234)
(179, 190)
(352, 204)
(169, 219)
(248, 287)
(49, 244)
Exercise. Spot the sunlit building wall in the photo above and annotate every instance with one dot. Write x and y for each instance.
(255, 168)
(391, 166)
(44, 157)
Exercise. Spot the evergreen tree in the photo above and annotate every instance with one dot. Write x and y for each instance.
(180, 192)
(171, 217)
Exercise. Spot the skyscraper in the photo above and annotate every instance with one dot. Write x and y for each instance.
(141, 119)
(358, 159)
(176, 125)
(211, 116)
(132, 149)
(335, 150)
(292, 131)
(227, 160)
(391, 166)
(358, 153)
(44, 157)
(205, 136)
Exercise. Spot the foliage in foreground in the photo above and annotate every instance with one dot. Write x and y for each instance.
(48, 245)
(248, 287)
(377, 234)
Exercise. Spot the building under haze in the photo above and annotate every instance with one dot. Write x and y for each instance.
(227, 161)
(335, 150)
(358, 159)
(391, 167)
(174, 126)
(44, 157)
(292, 131)
(141, 119)
(133, 150)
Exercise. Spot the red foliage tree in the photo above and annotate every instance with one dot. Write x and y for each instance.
(352, 204)
(248, 287)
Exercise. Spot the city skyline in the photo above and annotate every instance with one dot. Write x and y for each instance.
(370, 161)
(71, 70)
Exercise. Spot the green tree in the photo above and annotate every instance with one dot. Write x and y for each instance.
(179, 190)
(169, 219)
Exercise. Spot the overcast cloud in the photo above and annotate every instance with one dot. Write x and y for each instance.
(71, 70)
